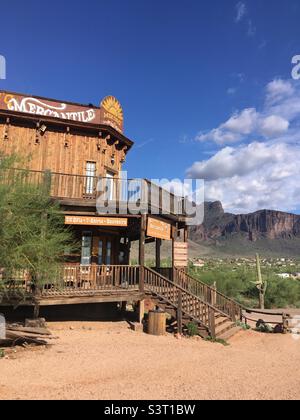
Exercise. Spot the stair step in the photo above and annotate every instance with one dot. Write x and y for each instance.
(229, 333)
(224, 328)
(222, 322)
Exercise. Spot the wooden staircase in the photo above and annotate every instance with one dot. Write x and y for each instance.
(186, 300)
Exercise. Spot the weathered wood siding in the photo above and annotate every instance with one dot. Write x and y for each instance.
(62, 151)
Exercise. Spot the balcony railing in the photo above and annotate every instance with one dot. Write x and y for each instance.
(137, 194)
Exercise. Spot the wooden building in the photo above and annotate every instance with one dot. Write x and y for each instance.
(80, 151)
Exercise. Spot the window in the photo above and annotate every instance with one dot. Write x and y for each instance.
(90, 177)
(86, 250)
(108, 253)
(110, 185)
(100, 253)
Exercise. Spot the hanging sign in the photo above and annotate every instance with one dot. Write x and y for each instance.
(96, 221)
(181, 257)
(158, 229)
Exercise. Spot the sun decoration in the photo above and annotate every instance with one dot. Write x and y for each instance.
(112, 105)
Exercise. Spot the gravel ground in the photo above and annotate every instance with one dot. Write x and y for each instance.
(108, 361)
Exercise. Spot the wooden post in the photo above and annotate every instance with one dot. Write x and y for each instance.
(142, 253)
(36, 311)
(212, 323)
(157, 256)
(123, 309)
(179, 313)
(141, 311)
(174, 237)
(142, 240)
(214, 295)
(186, 234)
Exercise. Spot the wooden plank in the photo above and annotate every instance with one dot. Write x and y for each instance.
(96, 221)
(158, 229)
(111, 298)
(180, 254)
(181, 245)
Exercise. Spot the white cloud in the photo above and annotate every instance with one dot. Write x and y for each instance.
(240, 161)
(241, 11)
(257, 166)
(279, 89)
(219, 136)
(282, 106)
(241, 123)
(252, 177)
(274, 126)
(231, 131)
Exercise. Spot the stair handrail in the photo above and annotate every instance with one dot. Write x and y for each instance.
(171, 283)
(239, 308)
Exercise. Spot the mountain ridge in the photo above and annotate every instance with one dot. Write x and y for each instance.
(262, 224)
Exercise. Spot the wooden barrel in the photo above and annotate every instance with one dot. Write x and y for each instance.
(157, 323)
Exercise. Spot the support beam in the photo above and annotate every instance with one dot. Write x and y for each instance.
(174, 237)
(142, 253)
(186, 234)
(179, 313)
(141, 311)
(142, 241)
(158, 253)
(123, 307)
(36, 311)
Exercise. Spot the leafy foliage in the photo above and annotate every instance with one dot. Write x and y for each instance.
(192, 329)
(239, 284)
(33, 238)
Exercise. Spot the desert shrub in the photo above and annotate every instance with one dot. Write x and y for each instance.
(218, 341)
(243, 325)
(238, 283)
(192, 329)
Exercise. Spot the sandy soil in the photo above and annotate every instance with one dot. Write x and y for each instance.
(108, 361)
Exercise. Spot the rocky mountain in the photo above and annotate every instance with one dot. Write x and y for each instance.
(261, 225)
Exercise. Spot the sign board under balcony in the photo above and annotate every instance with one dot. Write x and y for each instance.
(96, 221)
(180, 254)
(158, 229)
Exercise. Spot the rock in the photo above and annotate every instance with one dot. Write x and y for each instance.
(263, 224)
(35, 323)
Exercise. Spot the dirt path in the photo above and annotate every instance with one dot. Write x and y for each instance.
(108, 361)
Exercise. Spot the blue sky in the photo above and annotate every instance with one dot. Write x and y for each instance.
(205, 85)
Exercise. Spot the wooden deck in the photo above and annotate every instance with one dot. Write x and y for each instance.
(182, 297)
(88, 191)
(77, 284)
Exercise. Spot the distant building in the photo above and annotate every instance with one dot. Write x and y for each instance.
(284, 275)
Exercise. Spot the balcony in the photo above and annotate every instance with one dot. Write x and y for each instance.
(137, 195)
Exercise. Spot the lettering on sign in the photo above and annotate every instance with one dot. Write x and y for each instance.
(158, 229)
(45, 108)
(110, 112)
(181, 254)
(96, 221)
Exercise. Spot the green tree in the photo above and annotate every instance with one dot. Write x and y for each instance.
(33, 237)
